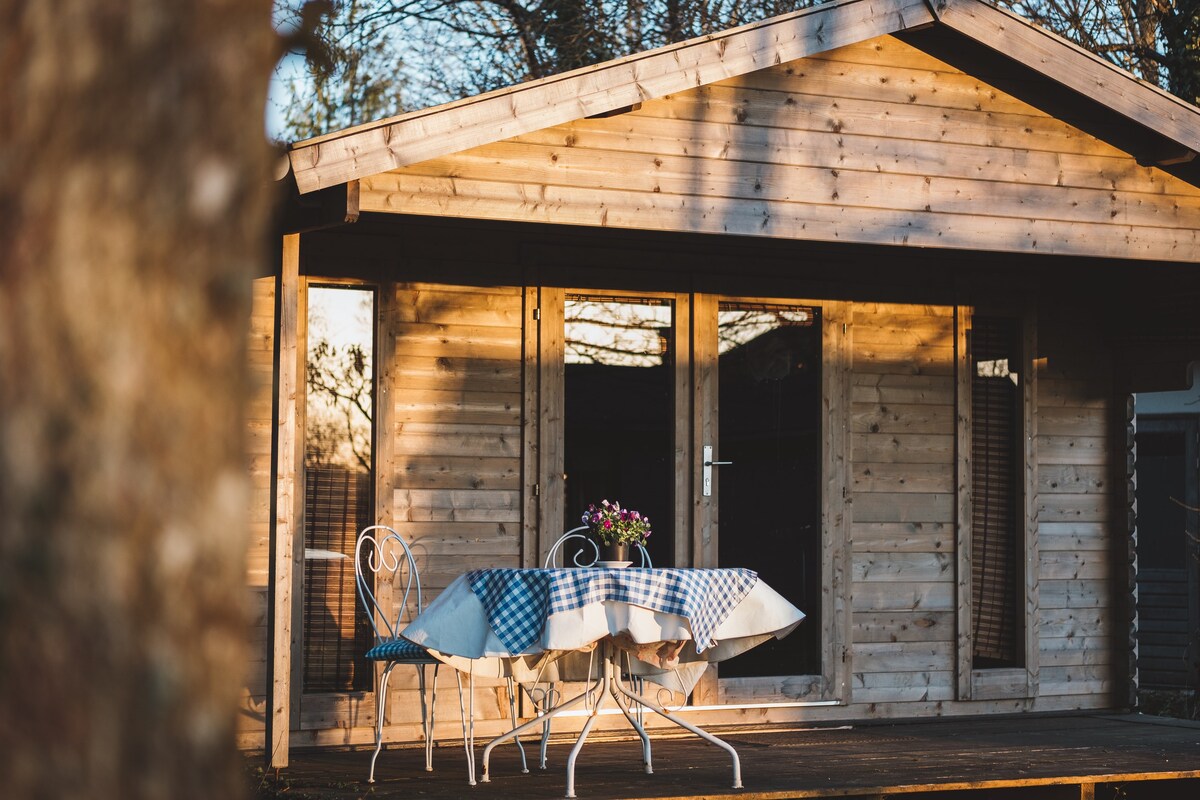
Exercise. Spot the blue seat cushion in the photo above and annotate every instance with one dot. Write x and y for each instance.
(400, 650)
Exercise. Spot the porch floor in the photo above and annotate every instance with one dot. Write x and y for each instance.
(1082, 755)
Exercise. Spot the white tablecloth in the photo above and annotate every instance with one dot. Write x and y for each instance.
(455, 627)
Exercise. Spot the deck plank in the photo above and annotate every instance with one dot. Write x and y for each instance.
(1143, 756)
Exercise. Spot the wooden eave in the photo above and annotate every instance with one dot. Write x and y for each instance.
(453, 127)
(1169, 124)
(376, 147)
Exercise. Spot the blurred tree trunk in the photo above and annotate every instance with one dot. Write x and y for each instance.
(134, 199)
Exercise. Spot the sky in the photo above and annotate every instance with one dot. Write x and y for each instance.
(291, 65)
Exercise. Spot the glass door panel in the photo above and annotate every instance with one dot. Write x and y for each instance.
(769, 498)
(619, 411)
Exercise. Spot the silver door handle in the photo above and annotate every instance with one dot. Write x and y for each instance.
(708, 464)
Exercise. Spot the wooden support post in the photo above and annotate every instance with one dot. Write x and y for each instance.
(287, 507)
(964, 642)
(531, 554)
(837, 347)
(1087, 791)
(551, 430)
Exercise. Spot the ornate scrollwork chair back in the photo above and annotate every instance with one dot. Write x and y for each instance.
(588, 552)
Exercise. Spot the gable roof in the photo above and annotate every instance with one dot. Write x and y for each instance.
(1171, 123)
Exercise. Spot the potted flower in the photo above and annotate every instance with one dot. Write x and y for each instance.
(614, 529)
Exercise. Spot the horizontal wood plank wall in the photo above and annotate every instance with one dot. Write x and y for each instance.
(456, 450)
(1082, 648)
(873, 143)
(260, 346)
(902, 488)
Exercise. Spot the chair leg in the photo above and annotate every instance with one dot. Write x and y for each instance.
(428, 710)
(468, 734)
(549, 700)
(380, 709)
(512, 712)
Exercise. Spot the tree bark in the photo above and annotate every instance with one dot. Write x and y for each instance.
(134, 200)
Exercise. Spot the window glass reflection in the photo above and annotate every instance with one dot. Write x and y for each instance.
(339, 379)
(620, 413)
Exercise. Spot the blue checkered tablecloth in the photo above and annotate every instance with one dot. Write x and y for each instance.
(518, 601)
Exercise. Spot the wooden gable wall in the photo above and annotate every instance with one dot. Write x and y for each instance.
(873, 143)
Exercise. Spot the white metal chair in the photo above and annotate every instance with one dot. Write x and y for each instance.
(387, 554)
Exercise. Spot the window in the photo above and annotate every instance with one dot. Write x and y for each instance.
(338, 470)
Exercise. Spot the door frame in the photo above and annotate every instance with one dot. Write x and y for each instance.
(832, 685)
(545, 437)
(312, 711)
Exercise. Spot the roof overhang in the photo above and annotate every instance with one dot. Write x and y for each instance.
(1170, 125)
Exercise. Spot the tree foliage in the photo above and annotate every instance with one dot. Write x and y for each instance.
(353, 70)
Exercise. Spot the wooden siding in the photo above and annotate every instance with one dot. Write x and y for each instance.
(875, 143)
(455, 444)
(1164, 632)
(1081, 641)
(903, 503)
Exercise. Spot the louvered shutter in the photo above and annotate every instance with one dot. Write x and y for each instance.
(337, 504)
(995, 485)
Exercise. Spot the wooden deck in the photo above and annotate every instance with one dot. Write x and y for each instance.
(1076, 756)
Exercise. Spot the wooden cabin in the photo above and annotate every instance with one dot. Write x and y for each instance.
(902, 262)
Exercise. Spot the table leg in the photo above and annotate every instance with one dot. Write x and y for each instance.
(737, 764)
(512, 713)
(551, 698)
(543, 718)
(641, 731)
(604, 689)
(611, 678)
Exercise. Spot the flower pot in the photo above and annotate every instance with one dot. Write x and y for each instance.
(618, 551)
